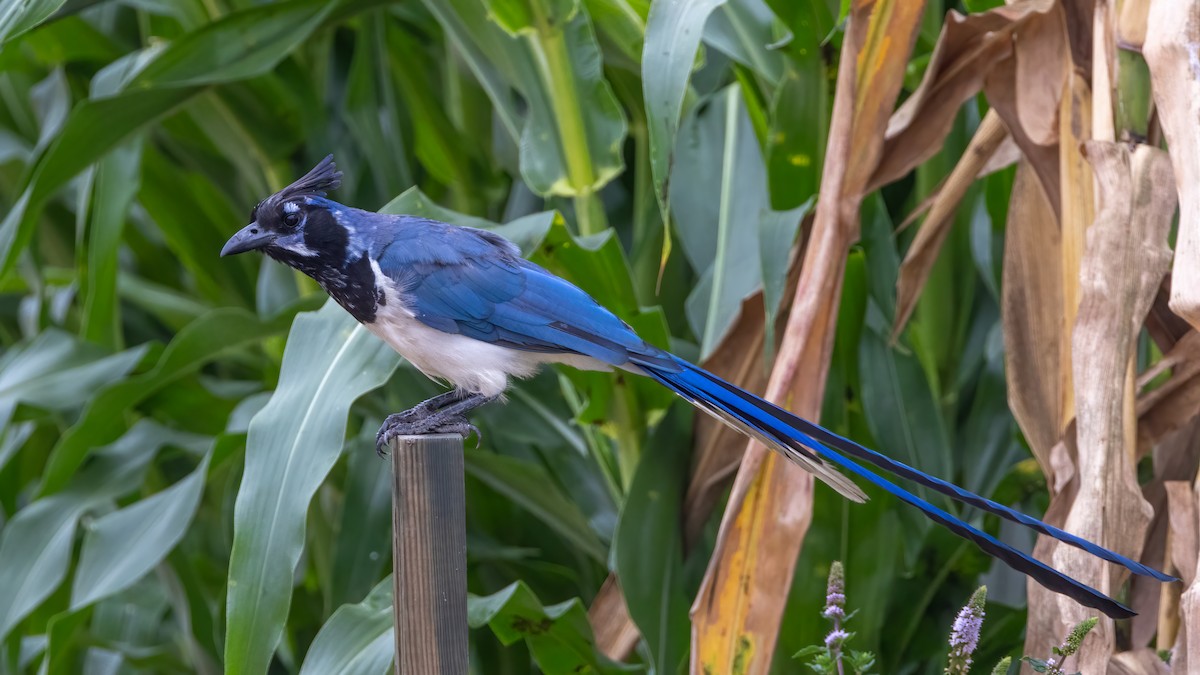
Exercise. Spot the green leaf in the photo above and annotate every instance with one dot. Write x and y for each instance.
(238, 46)
(12, 438)
(622, 24)
(1038, 665)
(558, 636)
(66, 632)
(124, 545)
(899, 405)
(571, 141)
(57, 372)
(527, 232)
(18, 17)
(113, 187)
(93, 129)
(673, 32)
(527, 485)
(720, 183)
(195, 219)
(795, 146)
(241, 45)
(370, 109)
(51, 100)
(103, 420)
(597, 264)
(776, 238)
(293, 443)
(35, 547)
(649, 546)
(480, 44)
(898, 399)
(357, 639)
(70, 39)
(745, 30)
(364, 537)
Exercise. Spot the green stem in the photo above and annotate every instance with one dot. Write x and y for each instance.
(629, 424)
(554, 60)
(647, 224)
(589, 213)
(708, 341)
(595, 441)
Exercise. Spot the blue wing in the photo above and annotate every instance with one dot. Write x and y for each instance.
(471, 282)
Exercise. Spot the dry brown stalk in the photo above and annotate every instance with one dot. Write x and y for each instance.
(1172, 41)
(921, 255)
(1122, 267)
(1030, 298)
(736, 615)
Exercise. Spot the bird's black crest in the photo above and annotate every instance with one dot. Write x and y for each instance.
(323, 177)
(320, 179)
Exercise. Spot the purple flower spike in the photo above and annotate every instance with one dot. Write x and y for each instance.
(964, 636)
(835, 611)
(835, 638)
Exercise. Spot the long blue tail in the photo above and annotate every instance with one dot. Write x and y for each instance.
(809, 445)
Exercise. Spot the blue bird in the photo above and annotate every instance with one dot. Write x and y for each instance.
(464, 307)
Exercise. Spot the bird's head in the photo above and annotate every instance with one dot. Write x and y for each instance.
(295, 225)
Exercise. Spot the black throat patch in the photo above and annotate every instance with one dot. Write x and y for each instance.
(346, 276)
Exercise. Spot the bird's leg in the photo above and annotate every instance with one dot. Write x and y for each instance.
(444, 414)
(428, 406)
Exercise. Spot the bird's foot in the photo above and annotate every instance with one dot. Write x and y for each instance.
(427, 419)
(406, 424)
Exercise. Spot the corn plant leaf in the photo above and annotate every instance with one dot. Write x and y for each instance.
(921, 255)
(527, 232)
(1030, 300)
(527, 485)
(799, 124)
(1122, 267)
(558, 636)
(122, 546)
(103, 420)
(58, 372)
(673, 32)
(239, 46)
(113, 187)
(745, 31)
(293, 443)
(357, 639)
(649, 548)
(1169, 36)
(721, 180)
(571, 139)
(35, 546)
(18, 17)
(361, 548)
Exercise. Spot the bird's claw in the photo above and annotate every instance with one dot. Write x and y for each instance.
(409, 424)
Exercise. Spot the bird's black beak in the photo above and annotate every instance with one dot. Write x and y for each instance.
(249, 238)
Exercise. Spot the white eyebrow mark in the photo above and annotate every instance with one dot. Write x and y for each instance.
(291, 207)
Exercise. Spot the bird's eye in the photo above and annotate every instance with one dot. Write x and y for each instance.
(291, 219)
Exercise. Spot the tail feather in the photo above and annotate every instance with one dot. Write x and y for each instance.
(827, 438)
(788, 447)
(805, 443)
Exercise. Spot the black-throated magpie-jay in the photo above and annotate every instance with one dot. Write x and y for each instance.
(463, 306)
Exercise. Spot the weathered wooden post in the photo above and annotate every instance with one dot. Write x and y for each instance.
(429, 555)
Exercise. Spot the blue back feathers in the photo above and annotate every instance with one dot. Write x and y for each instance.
(472, 282)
